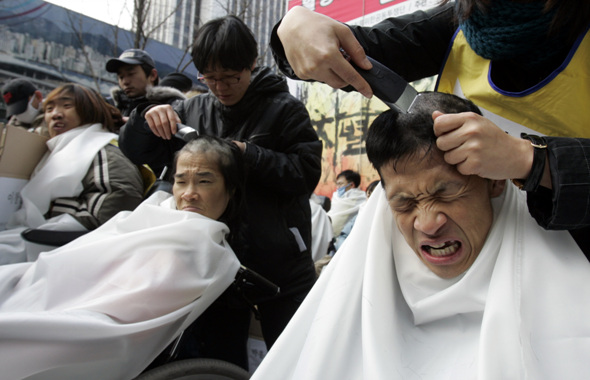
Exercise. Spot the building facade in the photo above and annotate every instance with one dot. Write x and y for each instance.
(173, 21)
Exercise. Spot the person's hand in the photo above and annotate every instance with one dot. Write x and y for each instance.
(312, 43)
(241, 145)
(478, 147)
(162, 121)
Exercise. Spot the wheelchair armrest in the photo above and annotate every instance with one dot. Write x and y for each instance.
(49, 237)
(159, 185)
(248, 279)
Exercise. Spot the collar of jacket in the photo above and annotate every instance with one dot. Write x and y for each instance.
(264, 82)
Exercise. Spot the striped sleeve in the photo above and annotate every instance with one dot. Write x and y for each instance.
(112, 184)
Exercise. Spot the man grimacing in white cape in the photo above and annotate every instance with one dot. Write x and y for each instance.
(508, 302)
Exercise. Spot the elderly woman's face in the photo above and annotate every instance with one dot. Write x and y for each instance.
(444, 216)
(199, 185)
(61, 115)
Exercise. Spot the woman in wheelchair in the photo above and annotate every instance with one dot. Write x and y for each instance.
(82, 181)
(106, 304)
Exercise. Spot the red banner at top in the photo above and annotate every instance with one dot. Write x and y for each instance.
(346, 10)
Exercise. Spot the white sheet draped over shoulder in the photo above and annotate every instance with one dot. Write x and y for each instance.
(520, 312)
(321, 231)
(103, 306)
(59, 174)
(345, 207)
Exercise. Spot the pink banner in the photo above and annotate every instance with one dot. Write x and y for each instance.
(345, 10)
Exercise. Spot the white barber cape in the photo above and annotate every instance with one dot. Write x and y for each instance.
(59, 174)
(321, 231)
(105, 305)
(520, 312)
(345, 207)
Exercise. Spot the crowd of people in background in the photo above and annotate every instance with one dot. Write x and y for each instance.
(504, 140)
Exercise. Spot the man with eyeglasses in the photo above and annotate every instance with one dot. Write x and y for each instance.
(252, 107)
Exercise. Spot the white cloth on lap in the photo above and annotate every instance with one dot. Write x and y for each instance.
(59, 174)
(106, 304)
(520, 312)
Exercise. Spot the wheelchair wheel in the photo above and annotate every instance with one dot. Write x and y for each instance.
(196, 369)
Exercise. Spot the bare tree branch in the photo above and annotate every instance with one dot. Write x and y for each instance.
(140, 10)
(144, 31)
(77, 29)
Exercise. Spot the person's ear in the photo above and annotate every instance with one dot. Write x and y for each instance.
(38, 96)
(497, 187)
(153, 76)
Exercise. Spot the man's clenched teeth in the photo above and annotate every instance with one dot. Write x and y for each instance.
(446, 249)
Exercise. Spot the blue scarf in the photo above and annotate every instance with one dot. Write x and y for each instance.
(515, 31)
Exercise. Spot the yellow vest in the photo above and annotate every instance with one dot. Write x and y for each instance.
(557, 106)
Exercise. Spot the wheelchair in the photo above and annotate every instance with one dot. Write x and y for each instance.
(196, 369)
(167, 367)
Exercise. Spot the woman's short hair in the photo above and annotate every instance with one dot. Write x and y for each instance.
(224, 42)
(90, 106)
(229, 159)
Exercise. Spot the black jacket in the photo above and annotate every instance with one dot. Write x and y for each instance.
(283, 159)
(567, 206)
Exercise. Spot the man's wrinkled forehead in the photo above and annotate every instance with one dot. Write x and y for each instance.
(429, 156)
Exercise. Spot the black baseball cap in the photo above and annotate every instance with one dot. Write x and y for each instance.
(16, 95)
(130, 57)
(177, 80)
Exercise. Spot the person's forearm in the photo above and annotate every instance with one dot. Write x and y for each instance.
(413, 45)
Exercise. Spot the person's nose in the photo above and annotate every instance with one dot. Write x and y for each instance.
(190, 193)
(57, 113)
(221, 84)
(429, 220)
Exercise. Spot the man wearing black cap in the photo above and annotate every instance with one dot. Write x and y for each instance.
(23, 103)
(136, 72)
(138, 83)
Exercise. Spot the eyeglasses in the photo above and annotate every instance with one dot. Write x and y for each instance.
(228, 81)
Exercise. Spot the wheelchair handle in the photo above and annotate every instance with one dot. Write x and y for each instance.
(247, 278)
